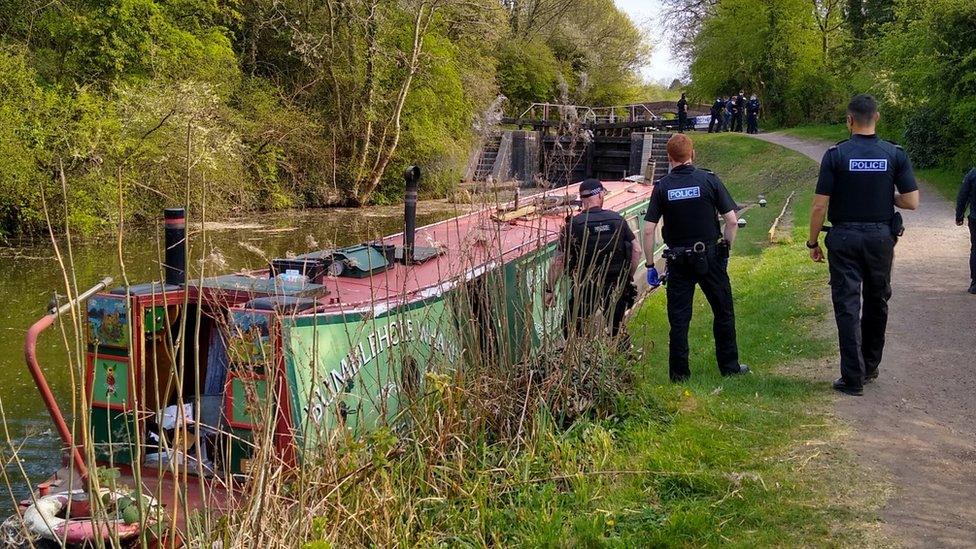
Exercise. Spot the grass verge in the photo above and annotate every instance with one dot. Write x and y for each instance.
(822, 132)
(752, 461)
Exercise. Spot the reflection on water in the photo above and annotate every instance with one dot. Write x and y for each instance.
(29, 274)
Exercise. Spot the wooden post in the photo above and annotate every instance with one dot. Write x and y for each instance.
(649, 172)
(772, 230)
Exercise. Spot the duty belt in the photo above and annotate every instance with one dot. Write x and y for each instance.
(696, 248)
(863, 225)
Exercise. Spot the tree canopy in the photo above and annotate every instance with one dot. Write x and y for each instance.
(275, 103)
(806, 58)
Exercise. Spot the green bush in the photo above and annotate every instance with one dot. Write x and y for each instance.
(927, 138)
(527, 73)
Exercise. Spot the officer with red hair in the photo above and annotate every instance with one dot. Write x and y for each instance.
(690, 201)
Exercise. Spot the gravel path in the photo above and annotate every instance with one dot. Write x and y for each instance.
(917, 423)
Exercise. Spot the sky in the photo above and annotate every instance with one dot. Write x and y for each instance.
(662, 67)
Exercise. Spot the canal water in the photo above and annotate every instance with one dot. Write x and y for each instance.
(29, 274)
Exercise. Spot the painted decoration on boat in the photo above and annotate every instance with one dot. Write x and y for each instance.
(249, 346)
(154, 319)
(110, 387)
(249, 395)
(108, 321)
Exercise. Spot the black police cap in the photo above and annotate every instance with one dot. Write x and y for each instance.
(591, 187)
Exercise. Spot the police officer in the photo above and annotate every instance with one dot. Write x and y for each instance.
(752, 111)
(715, 122)
(967, 199)
(738, 111)
(690, 200)
(862, 180)
(599, 252)
(729, 109)
(682, 113)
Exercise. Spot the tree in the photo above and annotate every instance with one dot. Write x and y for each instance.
(598, 48)
(683, 20)
(866, 16)
(527, 73)
(828, 15)
(769, 47)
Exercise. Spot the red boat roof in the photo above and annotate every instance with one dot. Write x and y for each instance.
(471, 244)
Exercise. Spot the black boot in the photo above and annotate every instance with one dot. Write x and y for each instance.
(743, 369)
(848, 389)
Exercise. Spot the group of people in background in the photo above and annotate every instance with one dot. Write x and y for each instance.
(727, 114)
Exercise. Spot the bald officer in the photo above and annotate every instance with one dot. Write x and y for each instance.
(861, 182)
(690, 201)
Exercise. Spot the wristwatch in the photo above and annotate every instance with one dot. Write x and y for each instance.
(649, 265)
(813, 246)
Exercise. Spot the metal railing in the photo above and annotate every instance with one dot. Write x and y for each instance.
(556, 112)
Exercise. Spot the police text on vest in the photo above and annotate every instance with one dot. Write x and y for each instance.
(868, 165)
(685, 193)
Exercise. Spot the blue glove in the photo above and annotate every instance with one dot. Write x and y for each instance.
(653, 279)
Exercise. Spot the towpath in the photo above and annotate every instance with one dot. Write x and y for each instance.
(917, 423)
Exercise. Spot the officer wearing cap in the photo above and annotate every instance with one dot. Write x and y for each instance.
(967, 199)
(690, 201)
(599, 252)
(861, 182)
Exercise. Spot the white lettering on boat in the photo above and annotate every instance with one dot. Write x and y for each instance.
(369, 348)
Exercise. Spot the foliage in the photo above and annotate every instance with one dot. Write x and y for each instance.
(585, 52)
(770, 48)
(930, 84)
(285, 102)
(806, 59)
(527, 73)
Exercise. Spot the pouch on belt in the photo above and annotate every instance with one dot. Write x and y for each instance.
(897, 225)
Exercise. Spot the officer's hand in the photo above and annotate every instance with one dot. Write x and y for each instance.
(959, 223)
(817, 255)
(549, 298)
(653, 279)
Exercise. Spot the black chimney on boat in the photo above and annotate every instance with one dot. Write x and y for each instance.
(412, 177)
(175, 262)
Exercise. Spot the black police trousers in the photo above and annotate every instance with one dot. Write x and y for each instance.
(682, 122)
(683, 275)
(714, 124)
(737, 122)
(972, 250)
(614, 298)
(752, 124)
(860, 257)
